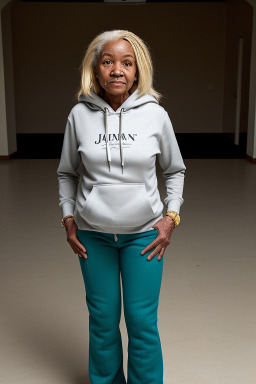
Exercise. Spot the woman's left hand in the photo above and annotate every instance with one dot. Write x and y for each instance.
(164, 226)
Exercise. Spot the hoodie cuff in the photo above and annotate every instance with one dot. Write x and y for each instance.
(68, 209)
(174, 205)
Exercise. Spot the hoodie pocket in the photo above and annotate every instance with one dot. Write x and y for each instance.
(118, 205)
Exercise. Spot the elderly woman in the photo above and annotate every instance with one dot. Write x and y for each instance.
(113, 214)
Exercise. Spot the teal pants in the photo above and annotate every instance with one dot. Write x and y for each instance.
(107, 261)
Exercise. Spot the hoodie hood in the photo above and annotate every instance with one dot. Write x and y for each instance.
(95, 102)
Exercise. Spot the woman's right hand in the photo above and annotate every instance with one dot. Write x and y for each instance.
(71, 230)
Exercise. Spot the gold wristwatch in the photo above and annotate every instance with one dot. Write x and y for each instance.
(175, 216)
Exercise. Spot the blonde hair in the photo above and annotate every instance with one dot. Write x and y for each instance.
(89, 81)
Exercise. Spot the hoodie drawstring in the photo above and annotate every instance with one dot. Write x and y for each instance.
(120, 139)
(107, 141)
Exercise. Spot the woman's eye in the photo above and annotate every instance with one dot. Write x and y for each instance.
(127, 62)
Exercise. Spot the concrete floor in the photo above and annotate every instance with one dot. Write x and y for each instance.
(207, 311)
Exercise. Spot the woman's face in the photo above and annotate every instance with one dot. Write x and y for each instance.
(116, 70)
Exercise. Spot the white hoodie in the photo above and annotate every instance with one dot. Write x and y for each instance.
(118, 190)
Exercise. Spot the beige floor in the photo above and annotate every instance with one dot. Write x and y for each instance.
(207, 312)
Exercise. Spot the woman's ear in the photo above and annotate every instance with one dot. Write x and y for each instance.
(95, 73)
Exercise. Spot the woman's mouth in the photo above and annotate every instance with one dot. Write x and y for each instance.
(117, 83)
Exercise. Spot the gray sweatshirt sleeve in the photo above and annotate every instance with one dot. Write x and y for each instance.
(68, 175)
(171, 162)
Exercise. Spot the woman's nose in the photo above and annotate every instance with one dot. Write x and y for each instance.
(116, 70)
